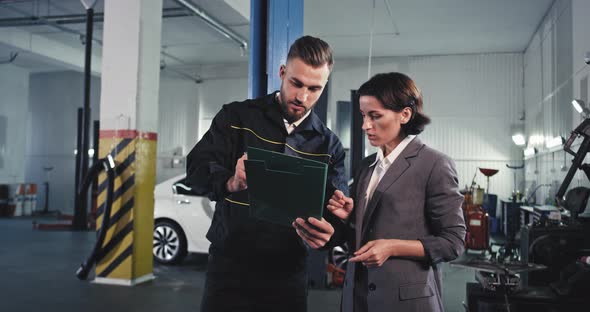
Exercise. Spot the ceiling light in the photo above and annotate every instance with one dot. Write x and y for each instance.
(517, 132)
(536, 139)
(554, 142)
(519, 139)
(580, 107)
(530, 151)
(88, 4)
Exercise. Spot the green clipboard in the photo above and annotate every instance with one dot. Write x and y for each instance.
(282, 188)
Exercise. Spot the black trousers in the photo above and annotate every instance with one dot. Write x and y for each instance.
(231, 286)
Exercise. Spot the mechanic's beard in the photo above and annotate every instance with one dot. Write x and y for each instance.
(288, 115)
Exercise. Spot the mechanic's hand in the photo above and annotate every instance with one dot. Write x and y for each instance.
(314, 232)
(374, 253)
(238, 181)
(340, 205)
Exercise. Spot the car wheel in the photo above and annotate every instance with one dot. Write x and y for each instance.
(339, 256)
(169, 242)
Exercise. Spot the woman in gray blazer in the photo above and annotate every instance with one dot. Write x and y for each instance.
(407, 215)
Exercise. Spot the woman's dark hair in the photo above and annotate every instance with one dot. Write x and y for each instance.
(397, 91)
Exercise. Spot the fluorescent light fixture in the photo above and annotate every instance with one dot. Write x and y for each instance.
(580, 107)
(530, 151)
(517, 132)
(536, 139)
(519, 139)
(88, 4)
(554, 142)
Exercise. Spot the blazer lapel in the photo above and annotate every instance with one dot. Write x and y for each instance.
(361, 188)
(399, 166)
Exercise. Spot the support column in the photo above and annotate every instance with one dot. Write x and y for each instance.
(129, 122)
(257, 78)
(284, 24)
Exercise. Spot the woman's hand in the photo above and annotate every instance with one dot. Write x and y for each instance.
(374, 253)
(340, 205)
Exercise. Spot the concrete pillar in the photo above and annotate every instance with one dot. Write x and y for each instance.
(128, 131)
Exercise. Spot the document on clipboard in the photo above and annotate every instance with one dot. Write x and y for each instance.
(282, 188)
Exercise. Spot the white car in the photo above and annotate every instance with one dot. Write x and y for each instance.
(181, 221)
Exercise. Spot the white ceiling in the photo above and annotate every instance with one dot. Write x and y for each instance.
(426, 27)
(417, 27)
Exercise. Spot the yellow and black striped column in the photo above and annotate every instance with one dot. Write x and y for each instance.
(126, 258)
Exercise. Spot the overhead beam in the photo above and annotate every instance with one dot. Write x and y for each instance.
(214, 23)
(42, 46)
(76, 18)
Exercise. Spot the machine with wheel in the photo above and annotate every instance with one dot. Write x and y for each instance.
(337, 260)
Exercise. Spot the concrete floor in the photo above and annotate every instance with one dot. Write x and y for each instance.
(37, 273)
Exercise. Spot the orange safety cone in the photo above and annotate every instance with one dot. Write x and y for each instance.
(31, 199)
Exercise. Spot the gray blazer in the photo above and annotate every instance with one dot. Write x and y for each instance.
(417, 198)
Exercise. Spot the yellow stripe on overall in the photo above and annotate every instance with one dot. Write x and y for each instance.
(280, 143)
